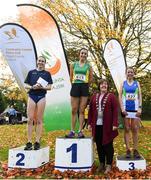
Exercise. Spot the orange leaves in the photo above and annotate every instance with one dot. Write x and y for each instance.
(15, 136)
(48, 171)
(4, 166)
(56, 172)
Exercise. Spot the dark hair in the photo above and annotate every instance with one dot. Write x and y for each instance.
(102, 81)
(42, 57)
(83, 49)
(130, 67)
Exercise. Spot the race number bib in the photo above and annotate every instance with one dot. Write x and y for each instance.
(131, 96)
(80, 77)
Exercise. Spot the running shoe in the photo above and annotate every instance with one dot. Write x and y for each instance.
(70, 135)
(128, 154)
(28, 146)
(136, 154)
(81, 135)
(36, 146)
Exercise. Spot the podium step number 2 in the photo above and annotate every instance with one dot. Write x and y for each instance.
(73, 154)
(19, 158)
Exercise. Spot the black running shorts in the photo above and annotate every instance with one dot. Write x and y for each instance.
(79, 89)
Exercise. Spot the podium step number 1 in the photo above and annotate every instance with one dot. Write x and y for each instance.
(19, 158)
(74, 154)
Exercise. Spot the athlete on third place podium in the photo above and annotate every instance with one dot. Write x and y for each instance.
(131, 106)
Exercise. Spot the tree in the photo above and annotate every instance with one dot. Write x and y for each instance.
(2, 102)
(91, 23)
(11, 92)
(145, 87)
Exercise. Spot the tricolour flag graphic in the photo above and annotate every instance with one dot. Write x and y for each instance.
(47, 37)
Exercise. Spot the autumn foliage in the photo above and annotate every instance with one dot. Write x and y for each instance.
(48, 172)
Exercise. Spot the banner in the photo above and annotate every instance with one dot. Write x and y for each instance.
(18, 49)
(114, 57)
(47, 37)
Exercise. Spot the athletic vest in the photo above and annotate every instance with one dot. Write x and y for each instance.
(130, 96)
(81, 74)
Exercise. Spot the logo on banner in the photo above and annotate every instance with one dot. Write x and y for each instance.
(11, 34)
(53, 64)
(110, 47)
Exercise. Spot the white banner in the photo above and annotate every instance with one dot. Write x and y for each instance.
(114, 57)
(19, 51)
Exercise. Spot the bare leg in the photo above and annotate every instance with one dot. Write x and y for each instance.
(74, 106)
(135, 130)
(39, 125)
(31, 108)
(83, 104)
(127, 128)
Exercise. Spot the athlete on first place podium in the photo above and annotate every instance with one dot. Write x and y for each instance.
(81, 77)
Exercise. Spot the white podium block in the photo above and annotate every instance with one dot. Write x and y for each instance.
(130, 163)
(19, 158)
(74, 154)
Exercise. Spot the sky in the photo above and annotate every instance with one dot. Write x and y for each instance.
(8, 9)
(8, 13)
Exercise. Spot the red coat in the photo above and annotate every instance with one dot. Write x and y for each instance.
(110, 117)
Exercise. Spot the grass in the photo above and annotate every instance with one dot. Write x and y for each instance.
(15, 136)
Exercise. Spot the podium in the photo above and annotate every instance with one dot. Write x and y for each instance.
(19, 158)
(128, 164)
(74, 154)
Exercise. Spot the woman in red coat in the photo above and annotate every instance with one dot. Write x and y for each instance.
(103, 120)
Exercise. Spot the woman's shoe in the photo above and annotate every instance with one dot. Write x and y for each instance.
(36, 146)
(136, 154)
(101, 168)
(28, 146)
(70, 135)
(80, 134)
(128, 154)
(108, 169)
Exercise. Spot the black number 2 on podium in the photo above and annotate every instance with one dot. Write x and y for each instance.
(21, 158)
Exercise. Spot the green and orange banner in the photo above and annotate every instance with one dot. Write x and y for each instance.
(47, 37)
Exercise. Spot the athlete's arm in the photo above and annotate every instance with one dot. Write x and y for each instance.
(36, 86)
(47, 88)
(120, 98)
(28, 87)
(121, 102)
(71, 73)
(139, 99)
(90, 75)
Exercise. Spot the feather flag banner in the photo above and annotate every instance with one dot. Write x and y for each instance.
(114, 57)
(19, 51)
(47, 37)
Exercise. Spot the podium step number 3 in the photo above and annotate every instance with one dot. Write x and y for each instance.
(73, 154)
(19, 158)
(130, 164)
